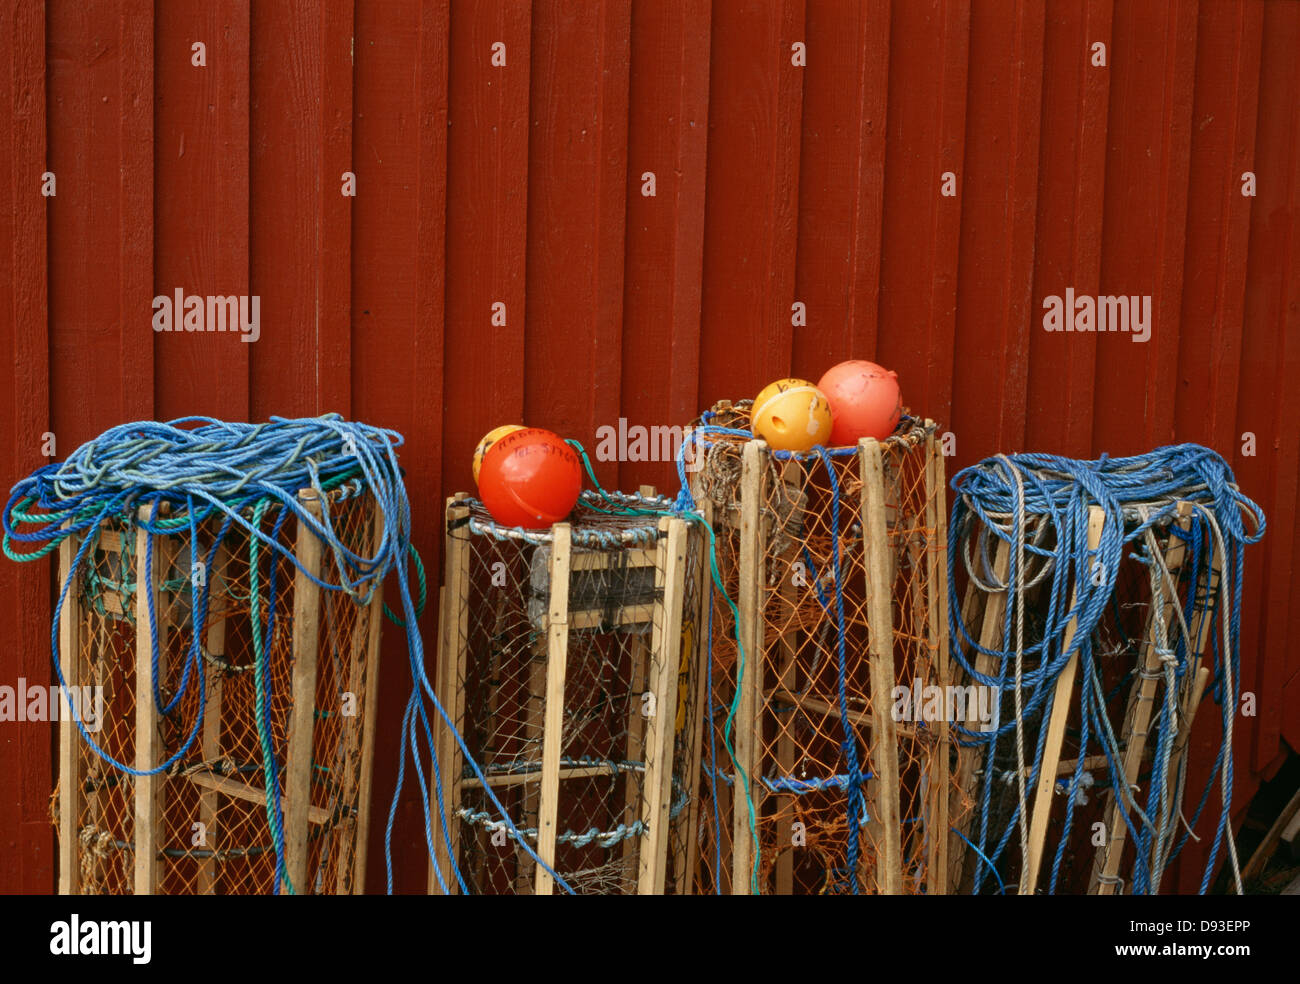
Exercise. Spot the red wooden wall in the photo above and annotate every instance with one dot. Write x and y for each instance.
(522, 184)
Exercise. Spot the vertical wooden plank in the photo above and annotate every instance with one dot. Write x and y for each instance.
(201, 177)
(70, 773)
(577, 176)
(299, 246)
(665, 647)
(452, 654)
(398, 276)
(751, 222)
(298, 758)
(879, 597)
(701, 719)
(1267, 401)
(994, 320)
(148, 735)
(557, 634)
(936, 603)
(1071, 198)
(1144, 223)
(487, 221)
(747, 733)
(841, 183)
(668, 123)
(370, 722)
(1061, 703)
(969, 757)
(1137, 715)
(25, 603)
(929, 50)
(101, 222)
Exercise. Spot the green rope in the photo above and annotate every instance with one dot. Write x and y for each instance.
(259, 678)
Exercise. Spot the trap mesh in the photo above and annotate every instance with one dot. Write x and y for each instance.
(818, 821)
(622, 808)
(208, 818)
(1147, 614)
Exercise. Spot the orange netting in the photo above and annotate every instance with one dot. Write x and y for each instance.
(209, 823)
(816, 717)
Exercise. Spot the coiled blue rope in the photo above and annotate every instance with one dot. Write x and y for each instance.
(1135, 494)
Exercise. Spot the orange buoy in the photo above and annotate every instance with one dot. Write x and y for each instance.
(530, 478)
(490, 438)
(865, 401)
(791, 415)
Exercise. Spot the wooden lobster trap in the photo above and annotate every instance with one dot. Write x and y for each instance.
(164, 789)
(821, 773)
(567, 664)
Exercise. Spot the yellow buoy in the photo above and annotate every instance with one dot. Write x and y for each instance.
(489, 439)
(791, 415)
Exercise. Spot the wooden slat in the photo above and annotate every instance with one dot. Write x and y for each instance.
(665, 647)
(237, 788)
(1137, 715)
(452, 655)
(201, 172)
(747, 733)
(668, 127)
(697, 717)
(306, 642)
(557, 634)
(149, 749)
(879, 596)
(936, 596)
(70, 773)
(370, 717)
(1061, 703)
(27, 863)
(969, 757)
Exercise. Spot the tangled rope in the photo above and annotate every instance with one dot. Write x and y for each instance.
(193, 469)
(999, 496)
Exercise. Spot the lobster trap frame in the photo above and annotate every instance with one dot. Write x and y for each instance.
(201, 826)
(1146, 608)
(780, 541)
(573, 680)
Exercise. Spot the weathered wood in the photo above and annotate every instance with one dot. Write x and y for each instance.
(453, 652)
(936, 595)
(697, 717)
(1055, 732)
(879, 597)
(70, 772)
(306, 645)
(1137, 716)
(557, 634)
(665, 647)
(370, 714)
(746, 733)
(148, 737)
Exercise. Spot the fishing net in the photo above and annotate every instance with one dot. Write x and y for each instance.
(816, 781)
(207, 814)
(1097, 603)
(578, 713)
(215, 640)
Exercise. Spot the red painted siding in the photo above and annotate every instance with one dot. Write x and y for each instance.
(775, 184)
